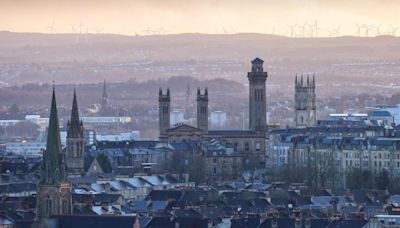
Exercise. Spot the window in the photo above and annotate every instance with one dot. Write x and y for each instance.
(48, 205)
(247, 147)
(215, 170)
(258, 146)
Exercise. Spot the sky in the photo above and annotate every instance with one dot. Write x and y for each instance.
(144, 17)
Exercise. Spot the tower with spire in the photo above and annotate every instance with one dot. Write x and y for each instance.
(54, 192)
(75, 150)
(257, 96)
(304, 102)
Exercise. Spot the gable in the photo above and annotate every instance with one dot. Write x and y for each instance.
(183, 128)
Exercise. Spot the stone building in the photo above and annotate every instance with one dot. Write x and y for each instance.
(304, 103)
(75, 150)
(327, 154)
(257, 96)
(248, 144)
(54, 192)
(164, 101)
(221, 163)
(202, 110)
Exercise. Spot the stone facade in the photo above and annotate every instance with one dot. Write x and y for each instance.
(164, 101)
(304, 103)
(328, 154)
(54, 193)
(257, 96)
(75, 150)
(202, 111)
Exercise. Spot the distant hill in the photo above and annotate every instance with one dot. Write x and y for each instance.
(349, 63)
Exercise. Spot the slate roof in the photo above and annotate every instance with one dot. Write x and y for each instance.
(381, 114)
(160, 222)
(238, 133)
(257, 61)
(73, 221)
(164, 195)
(245, 223)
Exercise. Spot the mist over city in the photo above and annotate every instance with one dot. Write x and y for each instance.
(199, 113)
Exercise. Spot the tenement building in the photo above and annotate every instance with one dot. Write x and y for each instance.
(328, 154)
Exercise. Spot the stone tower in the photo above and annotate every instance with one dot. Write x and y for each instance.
(257, 96)
(54, 193)
(202, 110)
(164, 103)
(75, 151)
(304, 102)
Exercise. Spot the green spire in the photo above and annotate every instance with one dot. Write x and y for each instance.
(51, 163)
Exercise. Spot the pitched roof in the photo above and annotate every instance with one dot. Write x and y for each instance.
(257, 61)
(183, 128)
(95, 221)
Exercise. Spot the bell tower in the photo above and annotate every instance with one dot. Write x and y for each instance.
(304, 102)
(202, 110)
(164, 108)
(257, 96)
(75, 151)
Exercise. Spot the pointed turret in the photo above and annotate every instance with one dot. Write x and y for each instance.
(75, 151)
(51, 165)
(75, 111)
(304, 102)
(74, 124)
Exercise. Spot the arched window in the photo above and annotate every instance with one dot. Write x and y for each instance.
(64, 206)
(48, 206)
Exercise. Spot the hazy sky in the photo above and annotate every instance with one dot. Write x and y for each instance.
(204, 16)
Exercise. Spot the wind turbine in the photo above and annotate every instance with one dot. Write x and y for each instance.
(358, 28)
(393, 30)
(336, 31)
(316, 28)
(75, 32)
(134, 32)
(292, 27)
(87, 35)
(378, 29)
(51, 27)
(148, 31)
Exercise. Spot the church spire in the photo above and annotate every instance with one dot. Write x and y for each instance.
(51, 164)
(75, 111)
